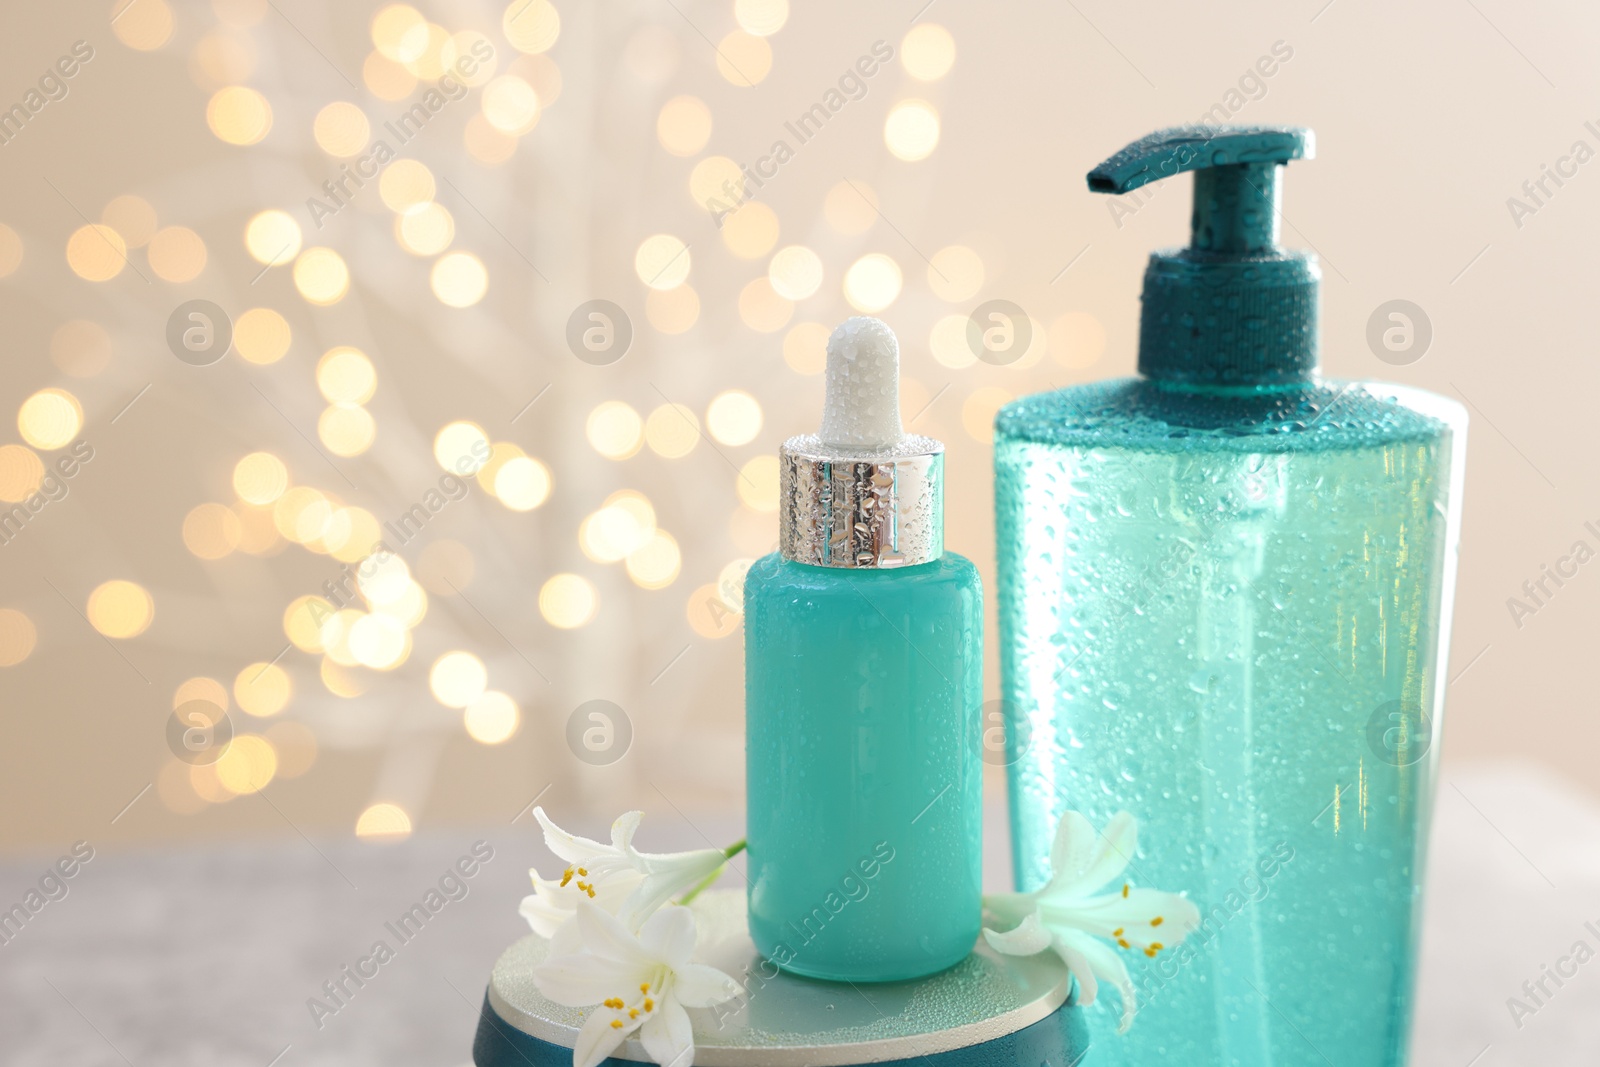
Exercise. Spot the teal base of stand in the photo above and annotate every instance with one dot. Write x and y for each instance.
(987, 1011)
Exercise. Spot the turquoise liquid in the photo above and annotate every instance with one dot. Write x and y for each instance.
(1226, 614)
(863, 703)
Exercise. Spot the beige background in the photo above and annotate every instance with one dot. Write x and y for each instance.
(1428, 117)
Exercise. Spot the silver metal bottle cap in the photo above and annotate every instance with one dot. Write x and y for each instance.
(873, 509)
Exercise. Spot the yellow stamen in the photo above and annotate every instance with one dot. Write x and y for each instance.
(644, 987)
(583, 872)
(1150, 952)
(633, 1013)
(1124, 890)
(1157, 946)
(616, 1024)
(1157, 921)
(1117, 932)
(1121, 942)
(566, 876)
(649, 1005)
(590, 891)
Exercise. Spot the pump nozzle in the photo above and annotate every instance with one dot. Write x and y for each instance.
(1232, 308)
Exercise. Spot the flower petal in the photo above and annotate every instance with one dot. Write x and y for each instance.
(582, 979)
(544, 913)
(1078, 965)
(1143, 917)
(667, 1035)
(1027, 938)
(667, 875)
(623, 829)
(598, 1039)
(570, 847)
(694, 985)
(605, 936)
(1108, 967)
(1082, 864)
(668, 935)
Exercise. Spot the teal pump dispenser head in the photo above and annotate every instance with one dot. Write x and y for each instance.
(1232, 309)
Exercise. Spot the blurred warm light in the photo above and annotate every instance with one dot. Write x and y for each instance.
(80, 348)
(622, 526)
(341, 681)
(948, 342)
(399, 33)
(743, 58)
(978, 411)
(928, 51)
(247, 765)
(346, 429)
(662, 261)
(203, 782)
(176, 793)
(531, 25)
(851, 207)
(568, 601)
(684, 125)
(656, 563)
(734, 417)
(615, 430)
(543, 74)
(410, 607)
(385, 821)
(462, 448)
(446, 566)
(795, 272)
(672, 311)
(805, 347)
(50, 419)
(96, 253)
(751, 231)
(500, 454)
(955, 274)
(492, 718)
(386, 79)
(912, 130)
(486, 144)
(177, 254)
(240, 12)
(336, 636)
(21, 473)
(757, 484)
(1077, 340)
(334, 532)
(239, 115)
(872, 283)
(221, 58)
(429, 63)
(672, 431)
(272, 237)
(406, 184)
(730, 583)
(510, 105)
(761, 17)
(210, 690)
(17, 637)
(522, 483)
(121, 609)
(341, 129)
(132, 217)
(383, 580)
(260, 478)
(459, 279)
(10, 250)
(302, 622)
(362, 535)
(262, 689)
(708, 615)
(211, 531)
(457, 679)
(321, 276)
(302, 514)
(755, 532)
(379, 641)
(426, 230)
(346, 376)
(296, 746)
(716, 183)
(468, 45)
(258, 534)
(261, 335)
(144, 26)
(762, 309)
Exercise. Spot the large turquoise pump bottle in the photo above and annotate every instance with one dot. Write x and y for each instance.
(1225, 591)
(864, 691)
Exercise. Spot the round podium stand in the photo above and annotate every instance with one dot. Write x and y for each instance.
(987, 1011)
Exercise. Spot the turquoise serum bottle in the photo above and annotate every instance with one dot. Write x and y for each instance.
(1225, 592)
(863, 685)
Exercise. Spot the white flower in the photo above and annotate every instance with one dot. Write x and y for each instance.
(625, 882)
(641, 984)
(1067, 917)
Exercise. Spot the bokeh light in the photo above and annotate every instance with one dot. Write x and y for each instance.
(955, 273)
(121, 609)
(346, 376)
(50, 419)
(672, 431)
(979, 408)
(744, 59)
(21, 473)
(262, 689)
(211, 531)
(531, 26)
(928, 51)
(615, 430)
(948, 342)
(684, 125)
(18, 637)
(716, 183)
(247, 765)
(757, 483)
(511, 105)
(672, 311)
(662, 261)
(734, 417)
(272, 237)
(568, 601)
(751, 231)
(406, 184)
(385, 78)
(346, 429)
(96, 253)
(321, 276)
(795, 272)
(261, 336)
(302, 622)
(762, 309)
(522, 483)
(763, 18)
(426, 230)
(385, 822)
(10, 250)
(459, 279)
(144, 26)
(239, 115)
(462, 447)
(911, 131)
(491, 718)
(341, 129)
(132, 217)
(210, 690)
(379, 641)
(657, 563)
(872, 283)
(260, 478)
(177, 254)
(805, 348)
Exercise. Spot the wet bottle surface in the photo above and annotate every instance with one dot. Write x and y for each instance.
(865, 818)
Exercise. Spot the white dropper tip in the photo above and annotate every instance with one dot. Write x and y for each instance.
(862, 409)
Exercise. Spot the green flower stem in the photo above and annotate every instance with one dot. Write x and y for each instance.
(710, 879)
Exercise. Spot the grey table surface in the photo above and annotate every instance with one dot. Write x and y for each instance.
(209, 956)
